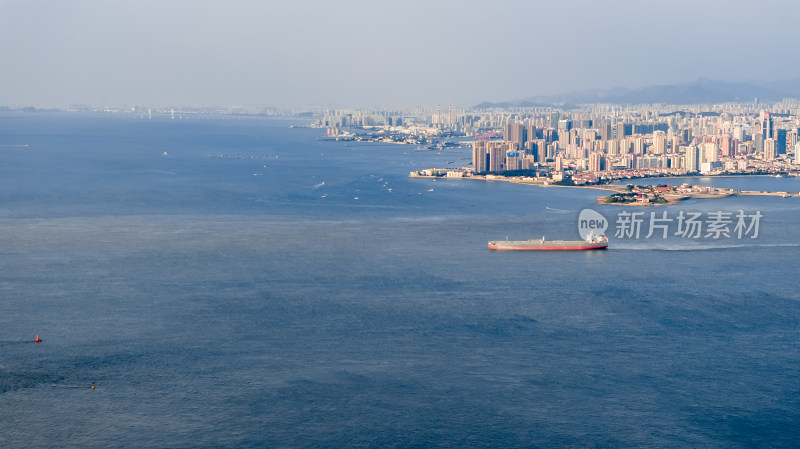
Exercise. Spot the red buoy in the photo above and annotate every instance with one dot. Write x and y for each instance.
(38, 340)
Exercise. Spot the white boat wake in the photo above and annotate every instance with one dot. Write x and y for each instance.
(555, 210)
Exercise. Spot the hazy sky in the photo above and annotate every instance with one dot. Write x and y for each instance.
(378, 53)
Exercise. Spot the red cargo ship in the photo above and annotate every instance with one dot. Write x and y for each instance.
(599, 242)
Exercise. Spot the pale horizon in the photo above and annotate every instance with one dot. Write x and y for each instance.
(362, 54)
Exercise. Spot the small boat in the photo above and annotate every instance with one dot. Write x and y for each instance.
(591, 242)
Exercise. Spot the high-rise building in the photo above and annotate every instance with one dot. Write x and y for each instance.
(623, 130)
(516, 133)
(478, 148)
(676, 161)
(726, 147)
(588, 137)
(553, 119)
(497, 153)
(710, 152)
(564, 139)
(550, 135)
(605, 130)
(770, 149)
(549, 151)
(537, 149)
(488, 156)
(541, 150)
(625, 145)
(596, 162)
(650, 161)
(744, 148)
(767, 125)
(612, 147)
(479, 160)
(530, 148)
(659, 142)
(797, 153)
(780, 141)
(675, 144)
(638, 145)
(515, 160)
(738, 133)
(692, 162)
(533, 133)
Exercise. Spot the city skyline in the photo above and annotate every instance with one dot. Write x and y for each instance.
(359, 54)
(591, 144)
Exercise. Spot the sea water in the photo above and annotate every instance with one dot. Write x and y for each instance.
(235, 282)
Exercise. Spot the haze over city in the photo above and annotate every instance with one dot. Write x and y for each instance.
(363, 54)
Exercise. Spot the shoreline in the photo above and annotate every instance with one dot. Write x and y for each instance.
(700, 196)
(672, 200)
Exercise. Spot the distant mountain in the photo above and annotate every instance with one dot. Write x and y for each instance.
(700, 91)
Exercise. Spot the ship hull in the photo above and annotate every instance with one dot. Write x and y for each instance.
(538, 245)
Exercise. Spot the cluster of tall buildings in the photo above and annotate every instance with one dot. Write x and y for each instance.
(606, 138)
(601, 140)
(358, 119)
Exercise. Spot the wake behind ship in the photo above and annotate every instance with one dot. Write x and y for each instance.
(592, 242)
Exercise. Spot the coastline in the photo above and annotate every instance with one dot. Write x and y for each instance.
(618, 188)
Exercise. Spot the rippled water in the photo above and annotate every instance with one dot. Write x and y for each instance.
(213, 307)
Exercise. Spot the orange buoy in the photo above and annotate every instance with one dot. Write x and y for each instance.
(38, 340)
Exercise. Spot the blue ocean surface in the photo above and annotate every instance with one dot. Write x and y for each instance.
(236, 282)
